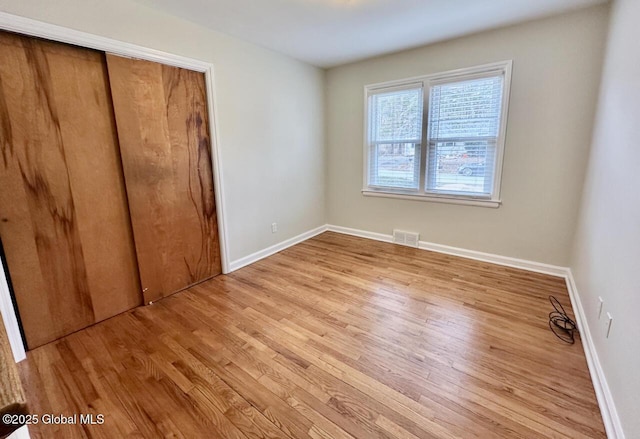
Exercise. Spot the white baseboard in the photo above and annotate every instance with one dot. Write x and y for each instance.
(254, 257)
(538, 267)
(360, 233)
(523, 264)
(603, 393)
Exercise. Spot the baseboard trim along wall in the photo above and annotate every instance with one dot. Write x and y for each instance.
(523, 264)
(603, 393)
(261, 254)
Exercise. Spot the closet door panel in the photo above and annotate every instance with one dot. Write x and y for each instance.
(59, 253)
(163, 130)
(97, 182)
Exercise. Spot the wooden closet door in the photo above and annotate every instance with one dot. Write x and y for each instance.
(161, 112)
(64, 221)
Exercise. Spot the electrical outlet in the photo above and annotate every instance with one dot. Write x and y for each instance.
(600, 306)
(274, 227)
(607, 325)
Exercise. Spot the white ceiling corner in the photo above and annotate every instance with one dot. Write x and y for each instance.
(327, 33)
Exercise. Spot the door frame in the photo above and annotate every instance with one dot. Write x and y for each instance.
(35, 28)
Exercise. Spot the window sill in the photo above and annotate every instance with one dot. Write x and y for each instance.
(449, 199)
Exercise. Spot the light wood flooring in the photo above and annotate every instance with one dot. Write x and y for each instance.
(336, 337)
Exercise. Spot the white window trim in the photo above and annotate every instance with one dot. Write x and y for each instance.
(427, 80)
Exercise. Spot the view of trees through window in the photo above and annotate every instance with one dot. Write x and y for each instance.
(396, 132)
(464, 119)
(463, 124)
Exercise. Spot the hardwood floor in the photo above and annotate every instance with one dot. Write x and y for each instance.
(337, 337)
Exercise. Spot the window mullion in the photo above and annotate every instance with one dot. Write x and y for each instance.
(424, 145)
(464, 157)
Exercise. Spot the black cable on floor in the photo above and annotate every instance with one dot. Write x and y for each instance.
(560, 322)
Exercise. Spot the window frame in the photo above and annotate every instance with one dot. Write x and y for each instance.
(407, 85)
(503, 68)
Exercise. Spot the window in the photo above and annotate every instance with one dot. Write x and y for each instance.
(438, 137)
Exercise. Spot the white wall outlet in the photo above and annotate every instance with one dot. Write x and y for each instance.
(274, 227)
(607, 325)
(600, 306)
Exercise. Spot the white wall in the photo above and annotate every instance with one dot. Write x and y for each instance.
(271, 120)
(556, 74)
(270, 114)
(606, 255)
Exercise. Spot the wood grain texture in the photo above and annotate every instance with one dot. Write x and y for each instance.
(336, 337)
(163, 128)
(63, 213)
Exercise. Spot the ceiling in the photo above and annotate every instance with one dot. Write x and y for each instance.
(327, 33)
